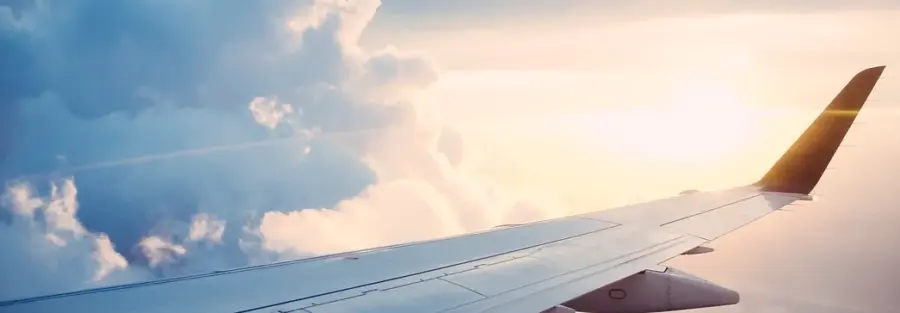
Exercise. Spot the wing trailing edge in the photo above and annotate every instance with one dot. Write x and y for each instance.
(801, 166)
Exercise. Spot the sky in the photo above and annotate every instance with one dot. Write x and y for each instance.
(148, 139)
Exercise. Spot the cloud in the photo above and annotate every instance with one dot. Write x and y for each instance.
(46, 249)
(207, 135)
(268, 112)
(159, 251)
(206, 227)
(418, 195)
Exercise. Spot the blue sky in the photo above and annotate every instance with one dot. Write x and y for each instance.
(145, 139)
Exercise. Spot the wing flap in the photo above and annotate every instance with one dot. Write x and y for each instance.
(607, 248)
(431, 295)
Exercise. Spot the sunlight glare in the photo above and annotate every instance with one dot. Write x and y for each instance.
(738, 60)
(704, 121)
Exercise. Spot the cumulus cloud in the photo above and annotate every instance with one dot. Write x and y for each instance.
(188, 126)
(268, 112)
(46, 249)
(206, 227)
(159, 251)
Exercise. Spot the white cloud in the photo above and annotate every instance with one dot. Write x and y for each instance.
(206, 227)
(269, 112)
(20, 200)
(108, 260)
(160, 251)
(418, 195)
(45, 245)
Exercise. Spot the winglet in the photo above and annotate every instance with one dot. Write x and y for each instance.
(800, 168)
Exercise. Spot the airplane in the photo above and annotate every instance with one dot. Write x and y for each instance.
(606, 261)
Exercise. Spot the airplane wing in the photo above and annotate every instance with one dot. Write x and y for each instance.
(604, 261)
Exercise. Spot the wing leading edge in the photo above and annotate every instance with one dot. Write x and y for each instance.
(604, 261)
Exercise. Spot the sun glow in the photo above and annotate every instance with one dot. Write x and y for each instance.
(704, 121)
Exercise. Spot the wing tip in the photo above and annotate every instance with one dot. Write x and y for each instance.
(799, 169)
(872, 72)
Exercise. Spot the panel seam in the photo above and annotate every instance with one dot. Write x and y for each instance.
(464, 287)
(710, 210)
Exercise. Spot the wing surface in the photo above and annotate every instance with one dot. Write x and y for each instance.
(523, 268)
